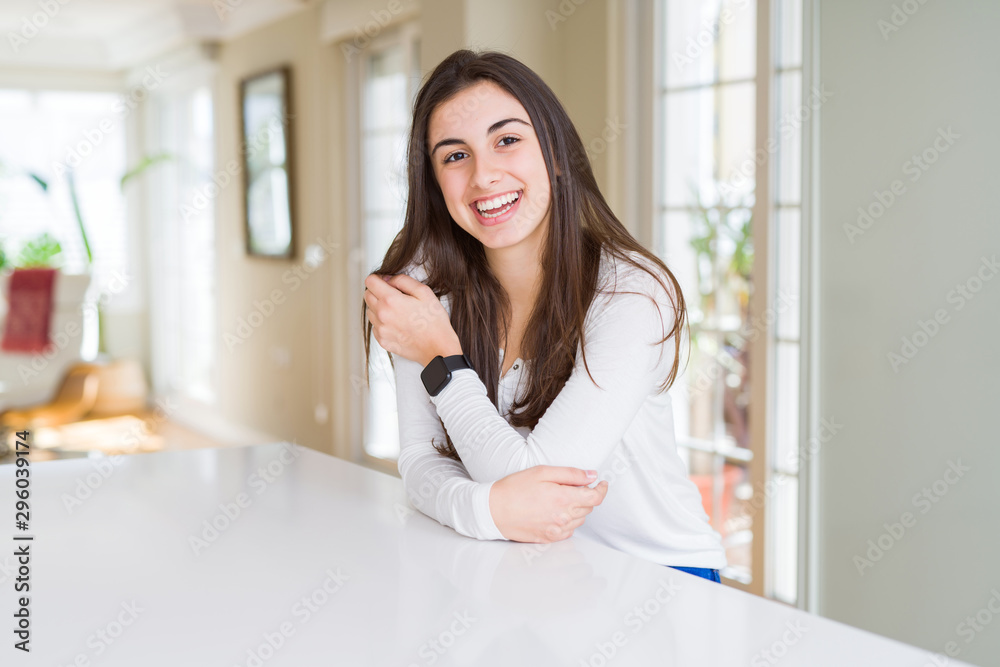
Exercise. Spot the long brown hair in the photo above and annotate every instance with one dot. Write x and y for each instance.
(581, 226)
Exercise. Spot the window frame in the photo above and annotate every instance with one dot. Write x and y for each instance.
(809, 342)
(407, 34)
(645, 20)
(638, 73)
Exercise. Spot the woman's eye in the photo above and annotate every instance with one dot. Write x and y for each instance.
(513, 140)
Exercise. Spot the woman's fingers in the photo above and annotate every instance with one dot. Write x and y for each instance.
(409, 285)
(562, 475)
(593, 496)
(564, 529)
(377, 284)
(371, 303)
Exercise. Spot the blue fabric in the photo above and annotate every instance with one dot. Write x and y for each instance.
(703, 572)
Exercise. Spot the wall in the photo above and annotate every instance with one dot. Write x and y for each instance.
(903, 427)
(277, 379)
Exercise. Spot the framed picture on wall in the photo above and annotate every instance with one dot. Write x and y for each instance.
(266, 124)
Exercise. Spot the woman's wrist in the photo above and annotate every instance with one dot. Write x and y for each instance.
(450, 349)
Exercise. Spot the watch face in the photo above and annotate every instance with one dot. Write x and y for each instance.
(435, 376)
(437, 373)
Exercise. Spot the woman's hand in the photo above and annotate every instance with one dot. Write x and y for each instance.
(408, 319)
(544, 503)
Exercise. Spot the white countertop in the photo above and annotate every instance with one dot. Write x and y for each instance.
(331, 553)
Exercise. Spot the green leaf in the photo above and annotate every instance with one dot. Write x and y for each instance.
(38, 179)
(144, 164)
(41, 251)
(71, 183)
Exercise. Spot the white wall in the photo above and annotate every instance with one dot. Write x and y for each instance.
(891, 95)
(276, 378)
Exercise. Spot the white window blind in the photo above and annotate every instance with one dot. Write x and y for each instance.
(183, 248)
(389, 81)
(49, 133)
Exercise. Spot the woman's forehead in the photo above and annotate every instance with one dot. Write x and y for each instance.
(481, 104)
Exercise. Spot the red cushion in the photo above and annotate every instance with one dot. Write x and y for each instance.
(29, 312)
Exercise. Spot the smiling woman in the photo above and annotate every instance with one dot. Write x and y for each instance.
(506, 244)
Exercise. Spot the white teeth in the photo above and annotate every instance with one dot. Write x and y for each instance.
(496, 202)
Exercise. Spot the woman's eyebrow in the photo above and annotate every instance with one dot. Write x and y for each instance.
(493, 128)
(500, 123)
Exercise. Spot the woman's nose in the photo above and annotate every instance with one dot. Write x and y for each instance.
(486, 174)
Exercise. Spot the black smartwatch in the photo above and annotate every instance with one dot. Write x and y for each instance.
(437, 374)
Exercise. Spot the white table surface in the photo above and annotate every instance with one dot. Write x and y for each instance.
(386, 584)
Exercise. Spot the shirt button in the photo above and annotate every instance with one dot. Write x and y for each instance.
(515, 367)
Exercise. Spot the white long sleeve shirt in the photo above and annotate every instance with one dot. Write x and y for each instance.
(623, 429)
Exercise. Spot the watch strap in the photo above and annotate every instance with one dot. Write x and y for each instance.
(455, 362)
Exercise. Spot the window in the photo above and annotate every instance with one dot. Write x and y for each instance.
(389, 78)
(710, 211)
(53, 133)
(183, 236)
(786, 246)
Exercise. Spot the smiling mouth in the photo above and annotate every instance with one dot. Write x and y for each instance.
(494, 208)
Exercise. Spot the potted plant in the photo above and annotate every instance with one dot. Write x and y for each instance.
(723, 244)
(122, 382)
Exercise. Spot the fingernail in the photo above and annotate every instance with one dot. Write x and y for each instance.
(591, 474)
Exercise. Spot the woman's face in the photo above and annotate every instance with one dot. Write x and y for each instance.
(489, 165)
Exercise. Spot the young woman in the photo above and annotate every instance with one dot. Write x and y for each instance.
(529, 332)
